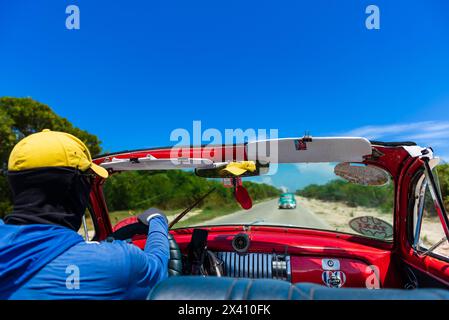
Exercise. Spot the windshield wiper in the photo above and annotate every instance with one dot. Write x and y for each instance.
(254, 222)
(189, 208)
(432, 248)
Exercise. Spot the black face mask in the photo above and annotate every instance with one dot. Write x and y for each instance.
(54, 195)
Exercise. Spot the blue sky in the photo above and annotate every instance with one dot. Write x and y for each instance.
(136, 70)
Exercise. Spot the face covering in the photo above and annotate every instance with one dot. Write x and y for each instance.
(53, 195)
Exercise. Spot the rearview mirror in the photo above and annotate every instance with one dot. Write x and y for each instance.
(218, 172)
(363, 174)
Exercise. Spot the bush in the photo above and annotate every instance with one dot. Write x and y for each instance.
(173, 189)
(352, 194)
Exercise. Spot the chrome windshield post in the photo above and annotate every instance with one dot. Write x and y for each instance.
(86, 232)
(422, 193)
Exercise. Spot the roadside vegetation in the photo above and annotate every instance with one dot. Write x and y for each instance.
(443, 177)
(20, 117)
(174, 190)
(351, 194)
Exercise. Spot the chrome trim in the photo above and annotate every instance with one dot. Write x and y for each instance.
(86, 232)
(269, 266)
(256, 265)
(289, 268)
(420, 214)
(241, 265)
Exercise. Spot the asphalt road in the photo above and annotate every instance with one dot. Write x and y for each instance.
(267, 213)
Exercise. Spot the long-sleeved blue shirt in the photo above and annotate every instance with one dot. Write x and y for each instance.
(92, 270)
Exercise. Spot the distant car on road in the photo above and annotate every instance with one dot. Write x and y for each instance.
(287, 201)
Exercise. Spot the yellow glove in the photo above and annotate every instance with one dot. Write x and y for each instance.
(239, 168)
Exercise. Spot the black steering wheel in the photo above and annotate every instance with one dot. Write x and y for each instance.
(138, 228)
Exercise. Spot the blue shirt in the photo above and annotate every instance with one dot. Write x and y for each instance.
(104, 270)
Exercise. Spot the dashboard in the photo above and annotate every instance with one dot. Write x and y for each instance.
(296, 255)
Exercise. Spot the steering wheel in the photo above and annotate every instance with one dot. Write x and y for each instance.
(138, 228)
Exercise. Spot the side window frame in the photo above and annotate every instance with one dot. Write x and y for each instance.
(418, 211)
(427, 180)
(436, 196)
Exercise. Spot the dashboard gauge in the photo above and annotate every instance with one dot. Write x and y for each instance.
(240, 243)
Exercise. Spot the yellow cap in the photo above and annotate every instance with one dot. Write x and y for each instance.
(52, 149)
(239, 168)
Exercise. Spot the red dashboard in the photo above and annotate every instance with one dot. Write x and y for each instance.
(334, 259)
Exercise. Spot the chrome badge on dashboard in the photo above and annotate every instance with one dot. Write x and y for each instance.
(330, 264)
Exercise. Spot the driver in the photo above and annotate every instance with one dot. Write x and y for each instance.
(41, 254)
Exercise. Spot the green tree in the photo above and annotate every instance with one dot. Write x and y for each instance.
(173, 189)
(443, 177)
(20, 117)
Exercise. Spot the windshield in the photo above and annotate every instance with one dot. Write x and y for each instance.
(323, 201)
(297, 195)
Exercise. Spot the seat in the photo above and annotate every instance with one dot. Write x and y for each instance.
(224, 288)
(175, 263)
(317, 292)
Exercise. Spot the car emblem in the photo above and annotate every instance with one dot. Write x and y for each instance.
(334, 279)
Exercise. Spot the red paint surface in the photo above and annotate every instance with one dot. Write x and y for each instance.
(215, 153)
(306, 248)
(309, 269)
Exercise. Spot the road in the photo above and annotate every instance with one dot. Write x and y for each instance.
(267, 213)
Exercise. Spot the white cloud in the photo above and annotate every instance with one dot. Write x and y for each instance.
(322, 168)
(429, 135)
(425, 133)
(316, 172)
(267, 180)
(391, 130)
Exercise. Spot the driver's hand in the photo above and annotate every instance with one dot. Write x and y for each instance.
(149, 214)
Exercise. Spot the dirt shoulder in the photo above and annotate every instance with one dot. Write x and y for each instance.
(338, 214)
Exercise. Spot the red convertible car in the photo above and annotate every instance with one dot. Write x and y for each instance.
(323, 249)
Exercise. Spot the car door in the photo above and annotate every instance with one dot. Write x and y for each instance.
(427, 260)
